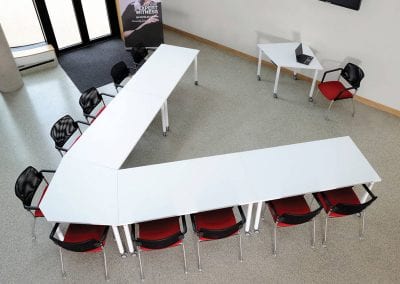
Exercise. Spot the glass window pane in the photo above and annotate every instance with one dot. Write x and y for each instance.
(63, 20)
(96, 17)
(20, 22)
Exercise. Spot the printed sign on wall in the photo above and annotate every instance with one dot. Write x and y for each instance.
(142, 22)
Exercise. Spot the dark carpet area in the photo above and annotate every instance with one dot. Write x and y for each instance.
(90, 66)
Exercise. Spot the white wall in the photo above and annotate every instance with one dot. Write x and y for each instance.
(369, 37)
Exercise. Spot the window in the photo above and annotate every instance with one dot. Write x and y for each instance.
(20, 22)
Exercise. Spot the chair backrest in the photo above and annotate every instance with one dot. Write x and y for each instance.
(352, 74)
(350, 209)
(63, 129)
(119, 72)
(219, 233)
(89, 100)
(139, 53)
(82, 246)
(294, 219)
(27, 184)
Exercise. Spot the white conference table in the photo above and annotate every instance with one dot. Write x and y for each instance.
(83, 190)
(283, 55)
(113, 135)
(134, 195)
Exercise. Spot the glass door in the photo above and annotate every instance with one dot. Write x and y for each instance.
(70, 24)
(64, 22)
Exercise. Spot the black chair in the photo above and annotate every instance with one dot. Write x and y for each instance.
(92, 103)
(139, 53)
(343, 202)
(63, 130)
(336, 90)
(119, 72)
(291, 211)
(26, 186)
(215, 225)
(159, 234)
(82, 238)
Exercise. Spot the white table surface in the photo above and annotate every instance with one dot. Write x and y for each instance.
(109, 197)
(114, 134)
(283, 55)
(190, 186)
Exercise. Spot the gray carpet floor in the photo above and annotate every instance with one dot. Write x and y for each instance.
(229, 111)
(90, 66)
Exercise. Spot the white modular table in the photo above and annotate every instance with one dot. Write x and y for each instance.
(283, 55)
(84, 188)
(196, 185)
(113, 135)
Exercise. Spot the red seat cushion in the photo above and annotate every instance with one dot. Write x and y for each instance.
(331, 90)
(215, 219)
(296, 205)
(38, 212)
(77, 233)
(341, 195)
(159, 229)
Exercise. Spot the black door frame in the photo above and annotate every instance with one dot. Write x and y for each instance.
(48, 30)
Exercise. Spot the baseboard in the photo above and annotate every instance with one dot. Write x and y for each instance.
(243, 55)
(378, 106)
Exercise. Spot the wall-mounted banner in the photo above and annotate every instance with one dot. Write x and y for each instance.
(142, 22)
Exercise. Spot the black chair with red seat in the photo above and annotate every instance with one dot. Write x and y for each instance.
(64, 129)
(159, 234)
(343, 202)
(28, 183)
(336, 90)
(291, 211)
(92, 103)
(81, 238)
(119, 73)
(215, 225)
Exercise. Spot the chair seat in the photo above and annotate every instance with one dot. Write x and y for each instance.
(215, 220)
(159, 229)
(296, 205)
(342, 195)
(331, 90)
(77, 233)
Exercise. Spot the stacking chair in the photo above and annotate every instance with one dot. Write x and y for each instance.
(139, 54)
(26, 186)
(343, 202)
(159, 234)
(64, 129)
(336, 90)
(92, 103)
(81, 238)
(119, 73)
(291, 211)
(215, 225)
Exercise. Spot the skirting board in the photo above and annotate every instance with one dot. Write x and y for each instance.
(235, 52)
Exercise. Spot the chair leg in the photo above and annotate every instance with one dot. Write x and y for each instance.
(61, 153)
(362, 225)
(354, 110)
(184, 258)
(198, 255)
(33, 229)
(64, 275)
(313, 235)
(240, 248)
(326, 231)
(105, 263)
(275, 228)
(140, 265)
(328, 111)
